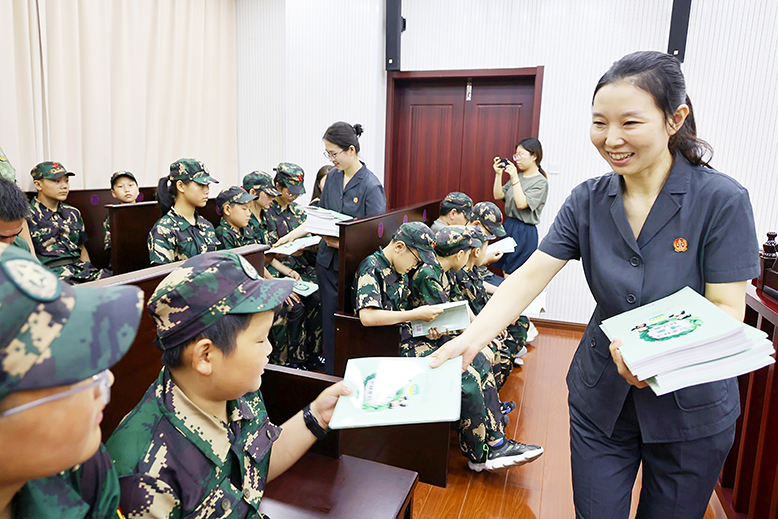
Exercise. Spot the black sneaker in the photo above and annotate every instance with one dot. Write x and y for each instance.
(510, 454)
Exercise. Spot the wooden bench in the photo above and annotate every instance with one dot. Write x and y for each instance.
(422, 448)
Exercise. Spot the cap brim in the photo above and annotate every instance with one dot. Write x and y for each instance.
(498, 231)
(427, 256)
(263, 295)
(271, 191)
(296, 190)
(99, 331)
(59, 175)
(245, 198)
(205, 181)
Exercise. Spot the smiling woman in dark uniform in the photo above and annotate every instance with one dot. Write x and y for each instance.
(350, 189)
(661, 220)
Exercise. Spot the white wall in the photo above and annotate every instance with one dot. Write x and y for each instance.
(729, 66)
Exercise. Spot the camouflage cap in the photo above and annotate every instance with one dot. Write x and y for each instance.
(459, 201)
(260, 180)
(54, 334)
(190, 169)
(50, 170)
(119, 174)
(291, 176)
(452, 239)
(234, 195)
(479, 235)
(490, 217)
(207, 287)
(7, 170)
(418, 236)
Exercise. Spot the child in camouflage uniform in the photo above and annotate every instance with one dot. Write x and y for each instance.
(182, 233)
(260, 184)
(124, 188)
(57, 229)
(54, 384)
(199, 444)
(481, 426)
(455, 209)
(289, 218)
(233, 230)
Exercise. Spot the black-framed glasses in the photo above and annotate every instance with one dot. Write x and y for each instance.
(331, 155)
(418, 259)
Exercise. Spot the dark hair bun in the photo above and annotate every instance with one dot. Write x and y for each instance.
(358, 129)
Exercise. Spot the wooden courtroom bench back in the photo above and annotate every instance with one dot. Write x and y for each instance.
(141, 365)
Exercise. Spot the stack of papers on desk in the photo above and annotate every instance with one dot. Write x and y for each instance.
(505, 245)
(324, 222)
(683, 340)
(455, 316)
(396, 390)
(293, 246)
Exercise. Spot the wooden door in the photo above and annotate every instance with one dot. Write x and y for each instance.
(444, 130)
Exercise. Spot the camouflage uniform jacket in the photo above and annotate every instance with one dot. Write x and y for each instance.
(429, 285)
(21, 243)
(471, 284)
(173, 238)
(88, 490)
(288, 219)
(378, 285)
(230, 238)
(175, 460)
(264, 228)
(107, 232)
(56, 235)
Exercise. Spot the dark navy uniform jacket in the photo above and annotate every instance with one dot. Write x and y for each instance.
(712, 213)
(364, 196)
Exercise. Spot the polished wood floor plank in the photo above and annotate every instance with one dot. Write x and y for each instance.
(538, 490)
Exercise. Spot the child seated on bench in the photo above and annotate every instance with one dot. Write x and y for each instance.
(182, 233)
(455, 209)
(200, 443)
(124, 188)
(233, 230)
(54, 384)
(57, 228)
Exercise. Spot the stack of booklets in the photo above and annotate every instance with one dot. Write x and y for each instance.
(396, 390)
(324, 222)
(505, 245)
(683, 340)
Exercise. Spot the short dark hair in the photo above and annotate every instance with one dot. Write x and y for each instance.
(222, 333)
(660, 75)
(14, 205)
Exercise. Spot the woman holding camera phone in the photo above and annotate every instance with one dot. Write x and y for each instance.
(525, 195)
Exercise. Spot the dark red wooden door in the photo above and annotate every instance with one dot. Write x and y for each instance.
(444, 133)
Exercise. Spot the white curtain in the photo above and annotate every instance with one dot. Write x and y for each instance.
(104, 85)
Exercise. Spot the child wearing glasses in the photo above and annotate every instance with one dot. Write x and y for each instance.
(54, 384)
(350, 189)
(199, 443)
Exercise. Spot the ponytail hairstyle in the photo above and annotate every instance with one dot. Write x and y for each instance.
(532, 145)
(167, 193)
(344, 135)
(660, 75)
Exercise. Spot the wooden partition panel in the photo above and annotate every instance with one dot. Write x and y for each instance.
(130, 227)
(360, 238)
(354, 341)
(749, 481)
(91, 203)
(140, 366)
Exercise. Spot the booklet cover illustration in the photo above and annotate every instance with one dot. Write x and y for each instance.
(665, 327)
(396, 390)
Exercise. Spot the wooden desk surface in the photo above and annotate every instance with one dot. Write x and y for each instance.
(343, 488)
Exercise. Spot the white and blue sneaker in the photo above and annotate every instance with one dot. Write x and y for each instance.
(507, 454)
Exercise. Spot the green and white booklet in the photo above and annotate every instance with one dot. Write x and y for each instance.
(324, 222)
(455, 316)
(684, 339)
(398, 390)
(293, 246)
(304, 288)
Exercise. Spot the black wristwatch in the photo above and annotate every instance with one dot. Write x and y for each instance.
(313, 424)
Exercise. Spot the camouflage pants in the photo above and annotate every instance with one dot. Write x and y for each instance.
(481, 419)
(503, 361)
(517, 335)
(80, 272)
(288, 334)
(312, 340)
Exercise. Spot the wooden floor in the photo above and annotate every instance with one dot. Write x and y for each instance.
(541, 489)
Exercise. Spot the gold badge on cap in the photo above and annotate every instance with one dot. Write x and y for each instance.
(680, 245)
(33, 279)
